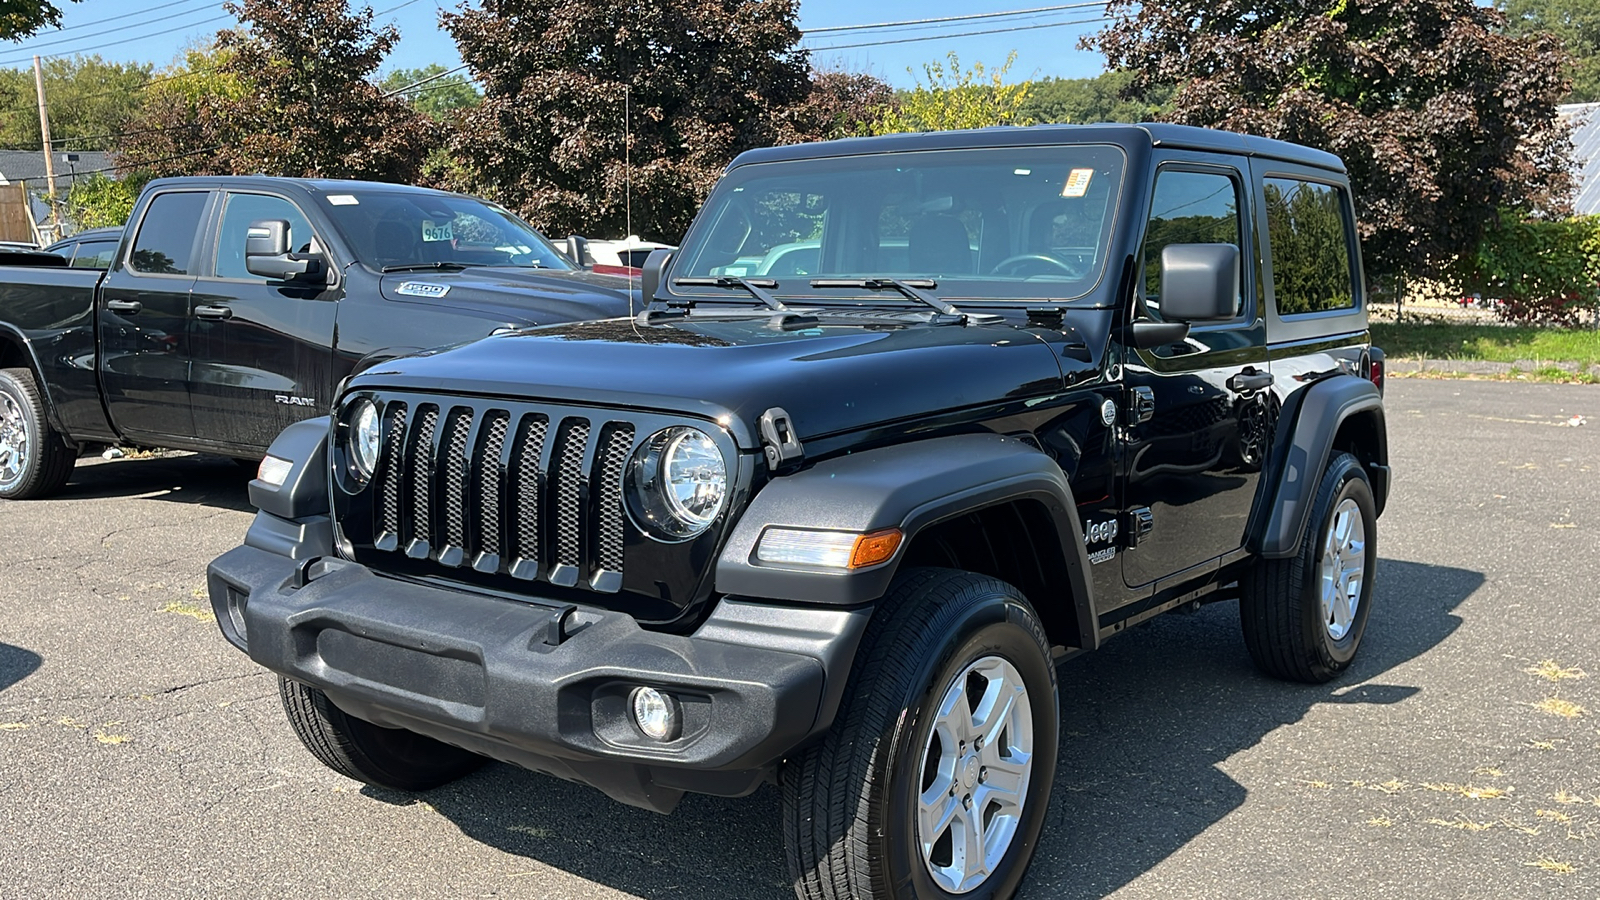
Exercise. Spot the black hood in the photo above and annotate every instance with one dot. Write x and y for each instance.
(526, 296)
(829, 377)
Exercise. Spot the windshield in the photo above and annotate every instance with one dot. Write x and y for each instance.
(1022, 223)
(405, 228)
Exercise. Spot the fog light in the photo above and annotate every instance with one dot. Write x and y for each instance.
(655, 713)
(274, 470)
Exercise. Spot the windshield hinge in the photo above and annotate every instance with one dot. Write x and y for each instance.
(778, 439)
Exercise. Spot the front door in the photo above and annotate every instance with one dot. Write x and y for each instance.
(263, 349)
(143, 317)
(1195, 458)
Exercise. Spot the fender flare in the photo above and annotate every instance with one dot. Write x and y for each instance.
(909, 486)
(1304, 444)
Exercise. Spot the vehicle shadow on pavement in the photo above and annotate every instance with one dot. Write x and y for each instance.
(16, 664)
(188, 478)
(1148, 719)
(1146, 722)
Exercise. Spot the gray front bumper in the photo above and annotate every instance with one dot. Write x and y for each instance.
(491, 675)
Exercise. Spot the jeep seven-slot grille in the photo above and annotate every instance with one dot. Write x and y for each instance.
(529, 495)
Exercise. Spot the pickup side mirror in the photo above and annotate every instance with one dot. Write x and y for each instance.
(578, 250)
(655, 265)
(1199, 282)
(266, 253)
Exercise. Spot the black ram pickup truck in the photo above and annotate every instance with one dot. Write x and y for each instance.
(232, 308)
(909, 421)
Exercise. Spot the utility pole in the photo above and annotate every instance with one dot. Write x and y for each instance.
(44, 132)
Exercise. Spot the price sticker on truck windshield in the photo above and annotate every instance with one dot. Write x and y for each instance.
(437, 231)
(1077, 183)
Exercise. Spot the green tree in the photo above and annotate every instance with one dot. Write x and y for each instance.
(955, 98)
(1441, 116)
(91, 102)
(1577, 24)
(21, 18)
(97, 201)
(1083, 101)
(702, 80)
(288, 93)
(438, 99)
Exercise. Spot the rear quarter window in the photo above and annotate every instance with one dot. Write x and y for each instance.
(1308, 233)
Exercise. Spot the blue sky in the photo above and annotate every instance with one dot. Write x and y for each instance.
(145, 31)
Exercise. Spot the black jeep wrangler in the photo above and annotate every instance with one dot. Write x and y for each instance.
(907, 422)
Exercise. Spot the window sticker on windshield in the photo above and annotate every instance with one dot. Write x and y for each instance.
(343, 200)
(441, 231)
(1077, 183)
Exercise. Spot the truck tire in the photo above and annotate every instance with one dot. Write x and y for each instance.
(1303, 617)
(943, 751)
(387, 757)
(34, 460)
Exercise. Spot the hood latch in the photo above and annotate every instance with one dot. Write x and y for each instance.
(779, 441)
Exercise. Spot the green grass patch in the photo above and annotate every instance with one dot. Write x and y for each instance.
(1491, 343)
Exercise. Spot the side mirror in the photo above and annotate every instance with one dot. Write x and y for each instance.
(266, 253)
(1199, 282)
(655, 266)
(578, 250)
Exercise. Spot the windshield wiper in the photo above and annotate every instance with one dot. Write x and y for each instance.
(912, 289)
(421, 267)
(757, 287)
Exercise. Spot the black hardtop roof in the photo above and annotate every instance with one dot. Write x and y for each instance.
(1147, 134)
(306, 185)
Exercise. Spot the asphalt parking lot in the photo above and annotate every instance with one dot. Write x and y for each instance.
(140, 755)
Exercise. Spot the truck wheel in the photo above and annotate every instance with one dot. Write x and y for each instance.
(387, 757)
(1303, 617)
(34, 460)
(934, 779)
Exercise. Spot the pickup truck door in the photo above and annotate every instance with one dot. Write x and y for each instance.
(143, 320)
(263, 350)
(1192, 452)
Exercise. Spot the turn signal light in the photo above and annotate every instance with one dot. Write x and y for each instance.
(833, 549)
(875, 548)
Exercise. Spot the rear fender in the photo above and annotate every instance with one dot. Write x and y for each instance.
(1307, 434)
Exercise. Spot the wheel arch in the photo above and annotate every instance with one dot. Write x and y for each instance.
(1343, 413)
(944, 494)
(16, 352)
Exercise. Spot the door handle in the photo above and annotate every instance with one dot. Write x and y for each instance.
(213, 312)
(1250, 380)
(124, 306)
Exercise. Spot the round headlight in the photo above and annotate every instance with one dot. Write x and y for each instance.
(677, 483)
(364, 438)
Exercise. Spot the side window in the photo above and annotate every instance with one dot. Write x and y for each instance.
(166, 234)
(1308, 236)
(1189, 208)
(94, 255)
(240, 211)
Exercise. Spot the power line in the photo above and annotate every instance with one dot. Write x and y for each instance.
(148, 9)
(947, 19)
(122, 40)
(385, 12)
(94, 34)
(434, 77)
(936, 37)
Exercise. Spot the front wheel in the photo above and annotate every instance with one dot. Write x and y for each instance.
(934, 779)
(387, 757)
(1303, 617)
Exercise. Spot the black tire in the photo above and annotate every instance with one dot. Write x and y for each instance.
(387, 757)
(1280, 602)
(47, 460)
(850, 803)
